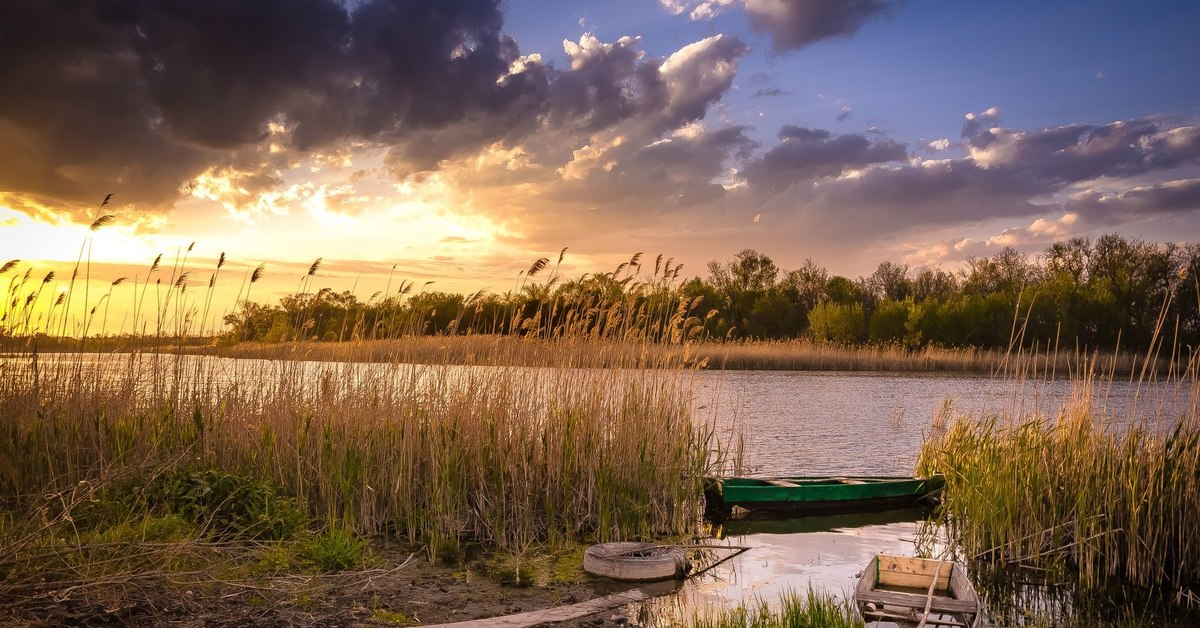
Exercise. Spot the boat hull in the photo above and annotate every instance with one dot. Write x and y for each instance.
(813, 495)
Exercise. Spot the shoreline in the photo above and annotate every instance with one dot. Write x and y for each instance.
(795, 355)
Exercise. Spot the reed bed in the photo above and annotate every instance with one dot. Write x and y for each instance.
(793, 610)
(583, 351)
(506, 456)
(1112, 504)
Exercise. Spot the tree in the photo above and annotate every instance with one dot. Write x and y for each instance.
(890, 320)
(843, 291)
(806, 285)
(1008, 272)
(934, 284)
(740, 283)
(890, 281)
(837, 322)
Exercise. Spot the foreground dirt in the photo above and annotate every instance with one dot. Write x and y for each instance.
(396, 591)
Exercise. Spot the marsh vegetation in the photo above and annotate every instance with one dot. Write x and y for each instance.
(128, 463)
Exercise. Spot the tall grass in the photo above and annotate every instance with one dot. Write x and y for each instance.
(1112, 503)
(793, 610)
(507, 456)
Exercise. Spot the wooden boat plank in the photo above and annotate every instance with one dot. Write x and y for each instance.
(960, 585)
(916, 581)
(940, 603)
(914, 617)
(917, 566)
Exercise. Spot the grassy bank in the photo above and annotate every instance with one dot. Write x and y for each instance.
(117, 465)
(504, 455)
(1110, 505)
(733, 355)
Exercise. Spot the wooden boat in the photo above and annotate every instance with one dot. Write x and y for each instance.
(916, 591)
(819, 495)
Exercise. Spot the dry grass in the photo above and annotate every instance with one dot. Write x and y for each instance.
(583, 351)
(508, 456)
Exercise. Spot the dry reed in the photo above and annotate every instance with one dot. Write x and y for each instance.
(508, 456)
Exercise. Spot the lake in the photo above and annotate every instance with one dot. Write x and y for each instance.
(833, 423)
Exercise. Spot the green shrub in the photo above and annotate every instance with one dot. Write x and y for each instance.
(229, 505)
(336, 549)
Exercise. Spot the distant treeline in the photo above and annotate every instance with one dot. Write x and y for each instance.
(1078, 293)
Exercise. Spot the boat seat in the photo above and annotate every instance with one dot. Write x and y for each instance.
(939, 603)
(783, 483)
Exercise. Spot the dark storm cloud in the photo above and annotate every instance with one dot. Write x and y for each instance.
(139, 96)
(1168, 197)
(607, 88)
(794, 24)
(75, 119)
(805, 154)
(1080, 152)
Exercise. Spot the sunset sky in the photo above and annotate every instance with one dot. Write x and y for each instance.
(457, 141)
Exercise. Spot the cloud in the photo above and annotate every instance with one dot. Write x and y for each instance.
(770, 92)
(805, 154)
(1080, 152)
(892, 197)
(794, 24)
(677, 170)
(844, 114)
(139, 98)
(1168, 197)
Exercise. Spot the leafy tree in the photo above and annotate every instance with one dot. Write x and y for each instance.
(889, 323)
(741, 282)
(842, 291)
(837, 322)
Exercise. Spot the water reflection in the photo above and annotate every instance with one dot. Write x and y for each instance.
(753, 523)
(826, 553)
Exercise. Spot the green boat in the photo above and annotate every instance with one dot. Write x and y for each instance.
(818, 495)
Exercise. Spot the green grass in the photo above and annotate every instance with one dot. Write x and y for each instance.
(793, 610)
(336, 549)
(1106, 506)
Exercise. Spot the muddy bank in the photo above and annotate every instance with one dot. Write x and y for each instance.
(398, 590)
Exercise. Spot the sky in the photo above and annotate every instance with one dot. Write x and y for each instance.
(457, 141)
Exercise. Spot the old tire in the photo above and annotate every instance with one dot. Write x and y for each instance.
(640, 562)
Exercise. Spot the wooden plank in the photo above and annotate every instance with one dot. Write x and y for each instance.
(562, 613)
(941, 604)
(866, 582)
(910, 565)
(883, 615)
(783, 483)
(917, 581)
(960, 585)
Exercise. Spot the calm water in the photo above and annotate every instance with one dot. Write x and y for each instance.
(819, 423)
(831, 423)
